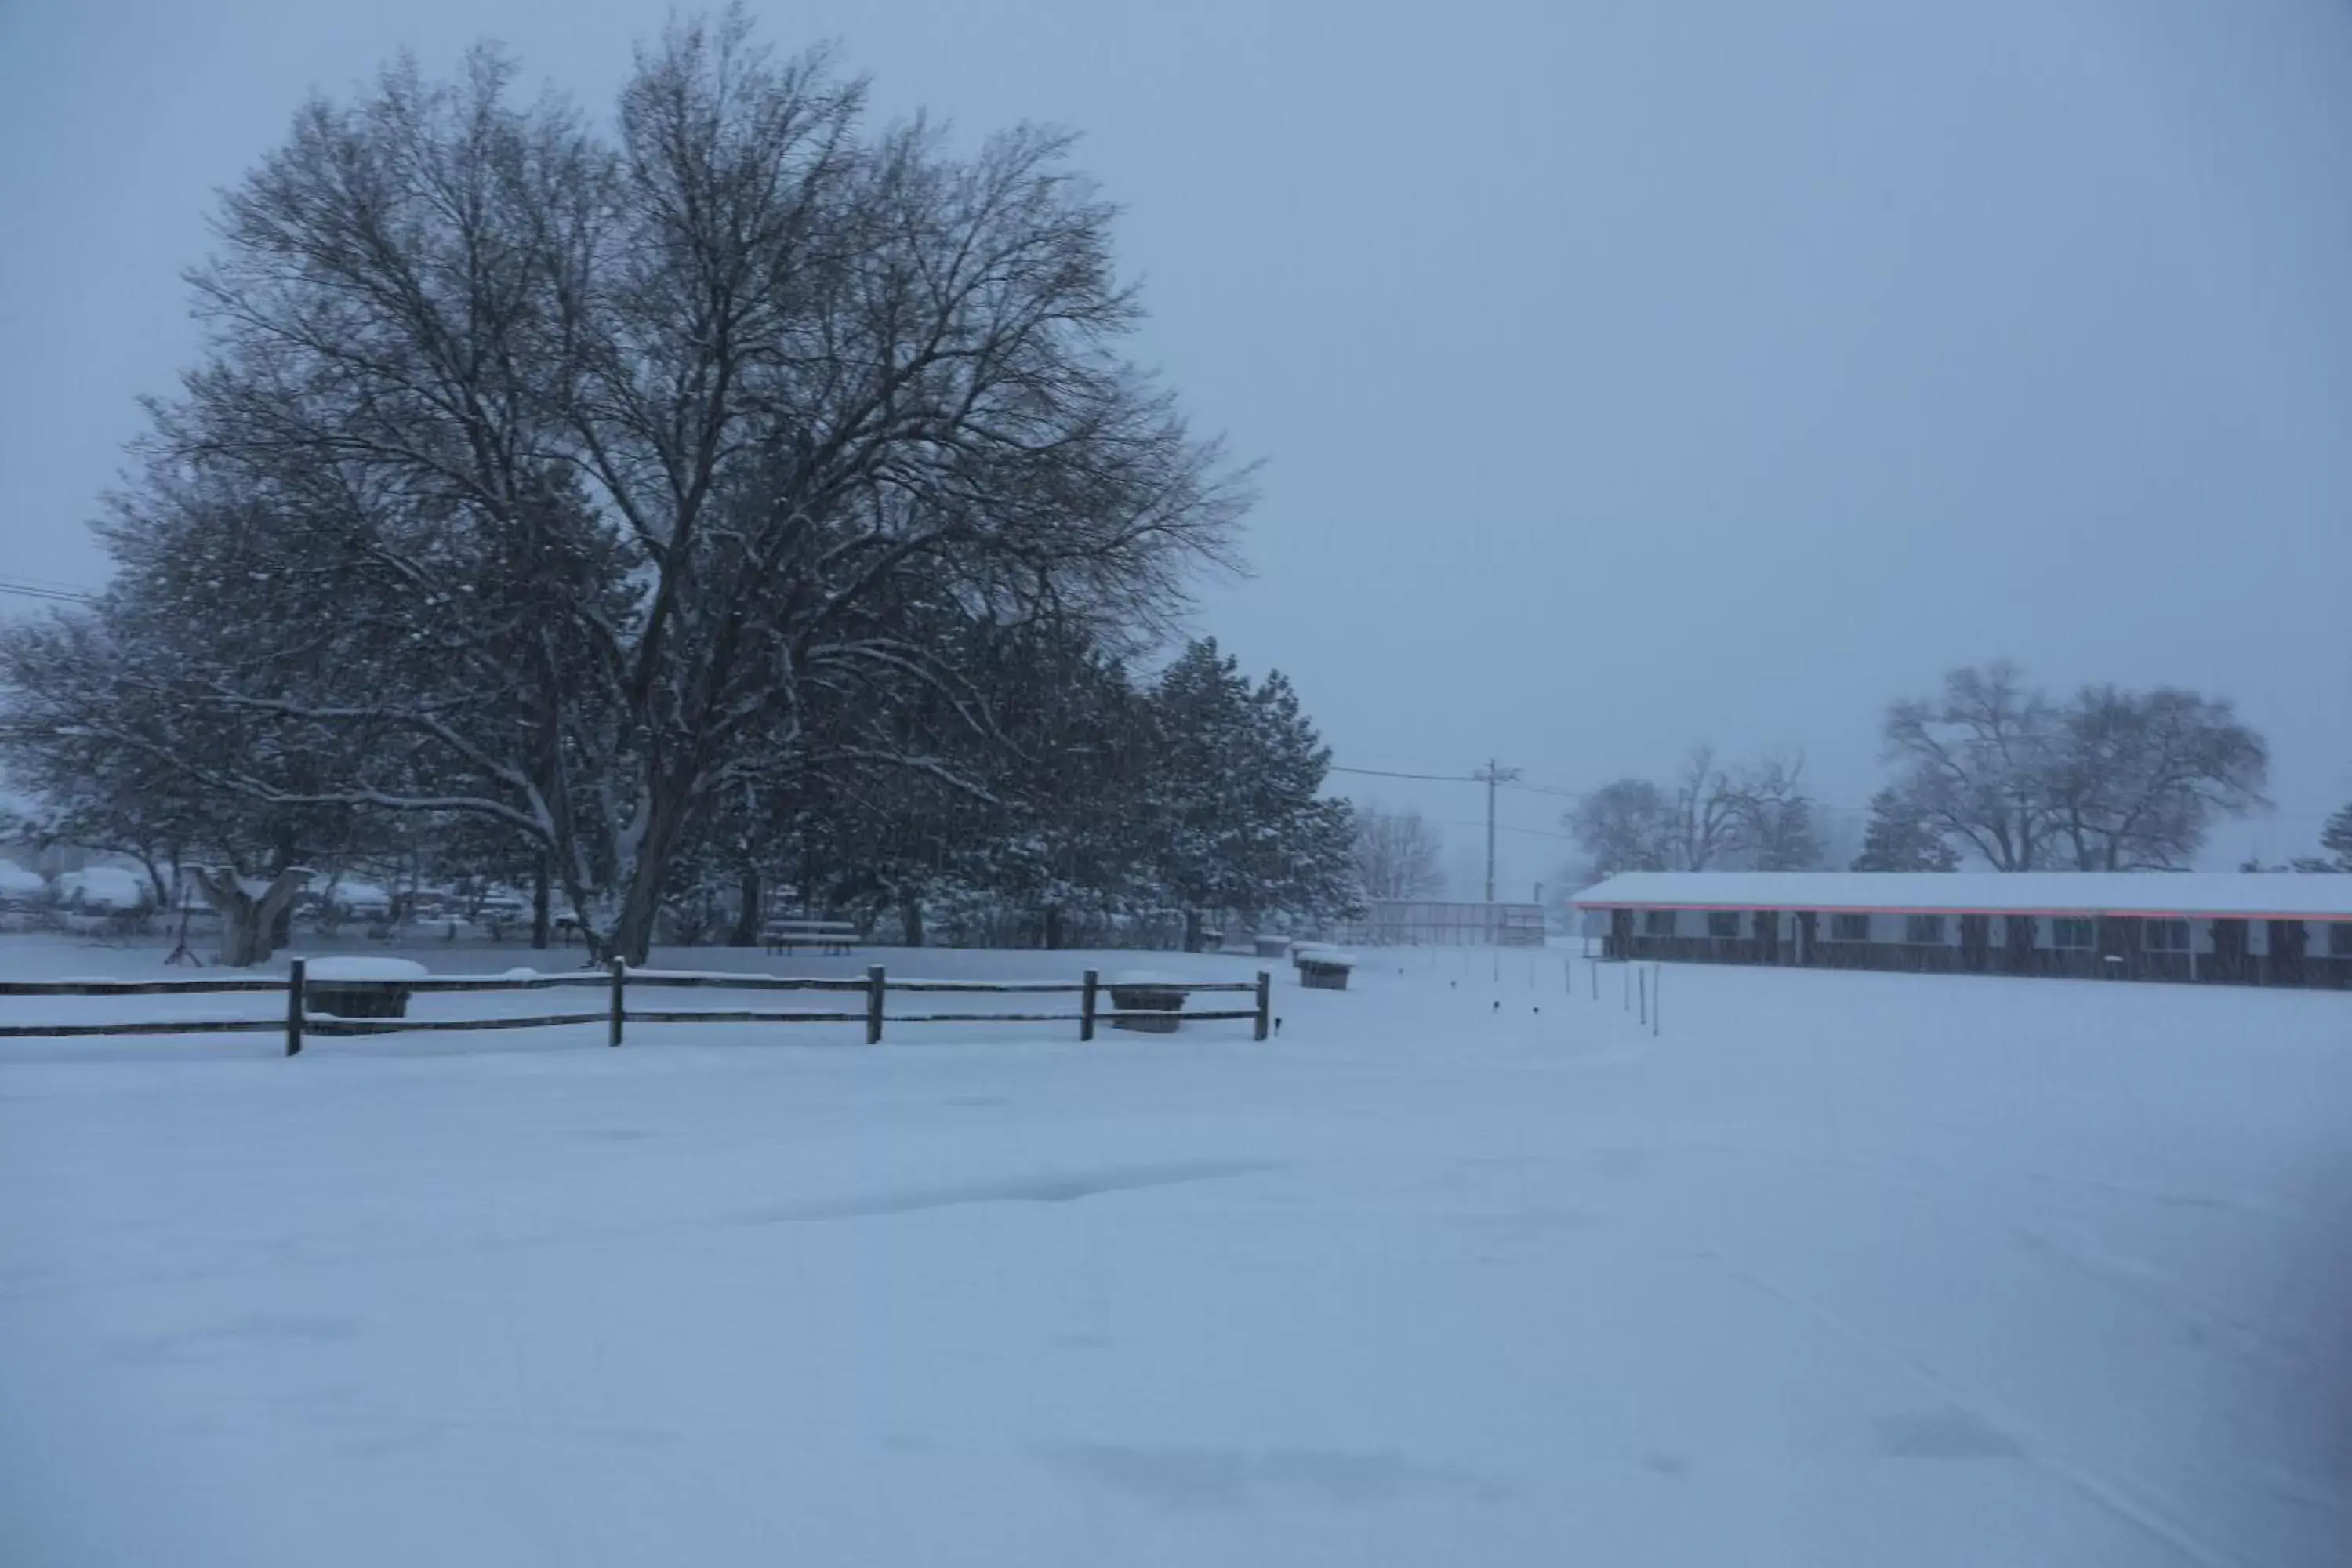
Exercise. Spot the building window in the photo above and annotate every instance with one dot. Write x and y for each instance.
(1658, 922)
(1722, 923)
(2078, 933)
(1923, 928)
(2339, 938)
(1849, 927)
(2166, 936)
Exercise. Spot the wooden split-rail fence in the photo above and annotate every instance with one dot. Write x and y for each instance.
(618, 981)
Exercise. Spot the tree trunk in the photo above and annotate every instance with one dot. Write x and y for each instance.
(249, 923)
(633, 932)
(1191, 931)
(541, 891)
(910, 910)
(1053, 928)
(747, 908)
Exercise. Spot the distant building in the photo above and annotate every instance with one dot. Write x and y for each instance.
(2228, 928)
(1438, 922)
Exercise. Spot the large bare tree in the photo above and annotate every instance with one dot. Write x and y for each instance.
(1627, 825)
(2110, 780)
(571, 481)
(1397, 854)
(2141, 777)
(1975, 764)
(1773, 817)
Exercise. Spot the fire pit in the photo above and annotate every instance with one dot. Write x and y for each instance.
(1322, 968)
(359, 987)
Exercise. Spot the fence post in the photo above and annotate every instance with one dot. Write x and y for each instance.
(874, 985)
(1642, 983)
(1265, 1003)
(294, 1009)
(620, 973)
(1087, 1006)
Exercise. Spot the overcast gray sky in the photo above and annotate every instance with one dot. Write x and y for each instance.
(1627, 373)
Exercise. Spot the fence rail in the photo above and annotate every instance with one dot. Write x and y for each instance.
(616, 1015)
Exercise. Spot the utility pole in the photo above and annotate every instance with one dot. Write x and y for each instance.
(1491, 775)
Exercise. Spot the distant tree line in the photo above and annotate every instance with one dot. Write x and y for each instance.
(1756, 815)
(1989, 772)
(1397, 854)
(739, 496)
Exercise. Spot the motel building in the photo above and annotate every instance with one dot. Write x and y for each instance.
(2224, 928)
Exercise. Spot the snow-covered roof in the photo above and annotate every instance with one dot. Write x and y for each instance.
(2248, 895)
(15, 878)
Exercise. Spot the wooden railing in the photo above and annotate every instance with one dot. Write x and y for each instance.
(873, 992)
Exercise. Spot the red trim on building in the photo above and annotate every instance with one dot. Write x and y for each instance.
(2064, 913)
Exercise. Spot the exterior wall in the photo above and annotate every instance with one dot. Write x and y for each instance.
(2220, 952)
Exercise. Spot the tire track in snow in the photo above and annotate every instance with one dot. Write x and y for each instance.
(2139, 1282)
(2126, 1500)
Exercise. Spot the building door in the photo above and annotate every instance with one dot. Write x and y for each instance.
(2119, 947)
(1768, 936)
(2228, 959)
(1806, 920)
(2017, 943)
(1619, 942)
(1976, 944)
(2286, 953)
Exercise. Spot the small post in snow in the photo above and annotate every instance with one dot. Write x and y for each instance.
(874, 986)
(1642, 983)
(620, 976)
(1087, 1002)
(1265, 1004)
(294, 1009)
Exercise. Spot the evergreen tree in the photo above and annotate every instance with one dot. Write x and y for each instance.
(1900, 839)
(2336, 838)
(1783, 838)
(1236, 813)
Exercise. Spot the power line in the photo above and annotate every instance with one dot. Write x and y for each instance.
(1546, 789)
(28, 590)
(1501, 827)
(1385, 773)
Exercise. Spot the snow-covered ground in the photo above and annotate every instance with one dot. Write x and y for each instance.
(1863, 1269)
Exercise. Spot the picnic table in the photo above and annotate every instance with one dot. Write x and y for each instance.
(826, 936)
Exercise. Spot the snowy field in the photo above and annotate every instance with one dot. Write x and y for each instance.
(1840, 1269)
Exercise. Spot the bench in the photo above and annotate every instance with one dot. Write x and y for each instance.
(826, 936)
